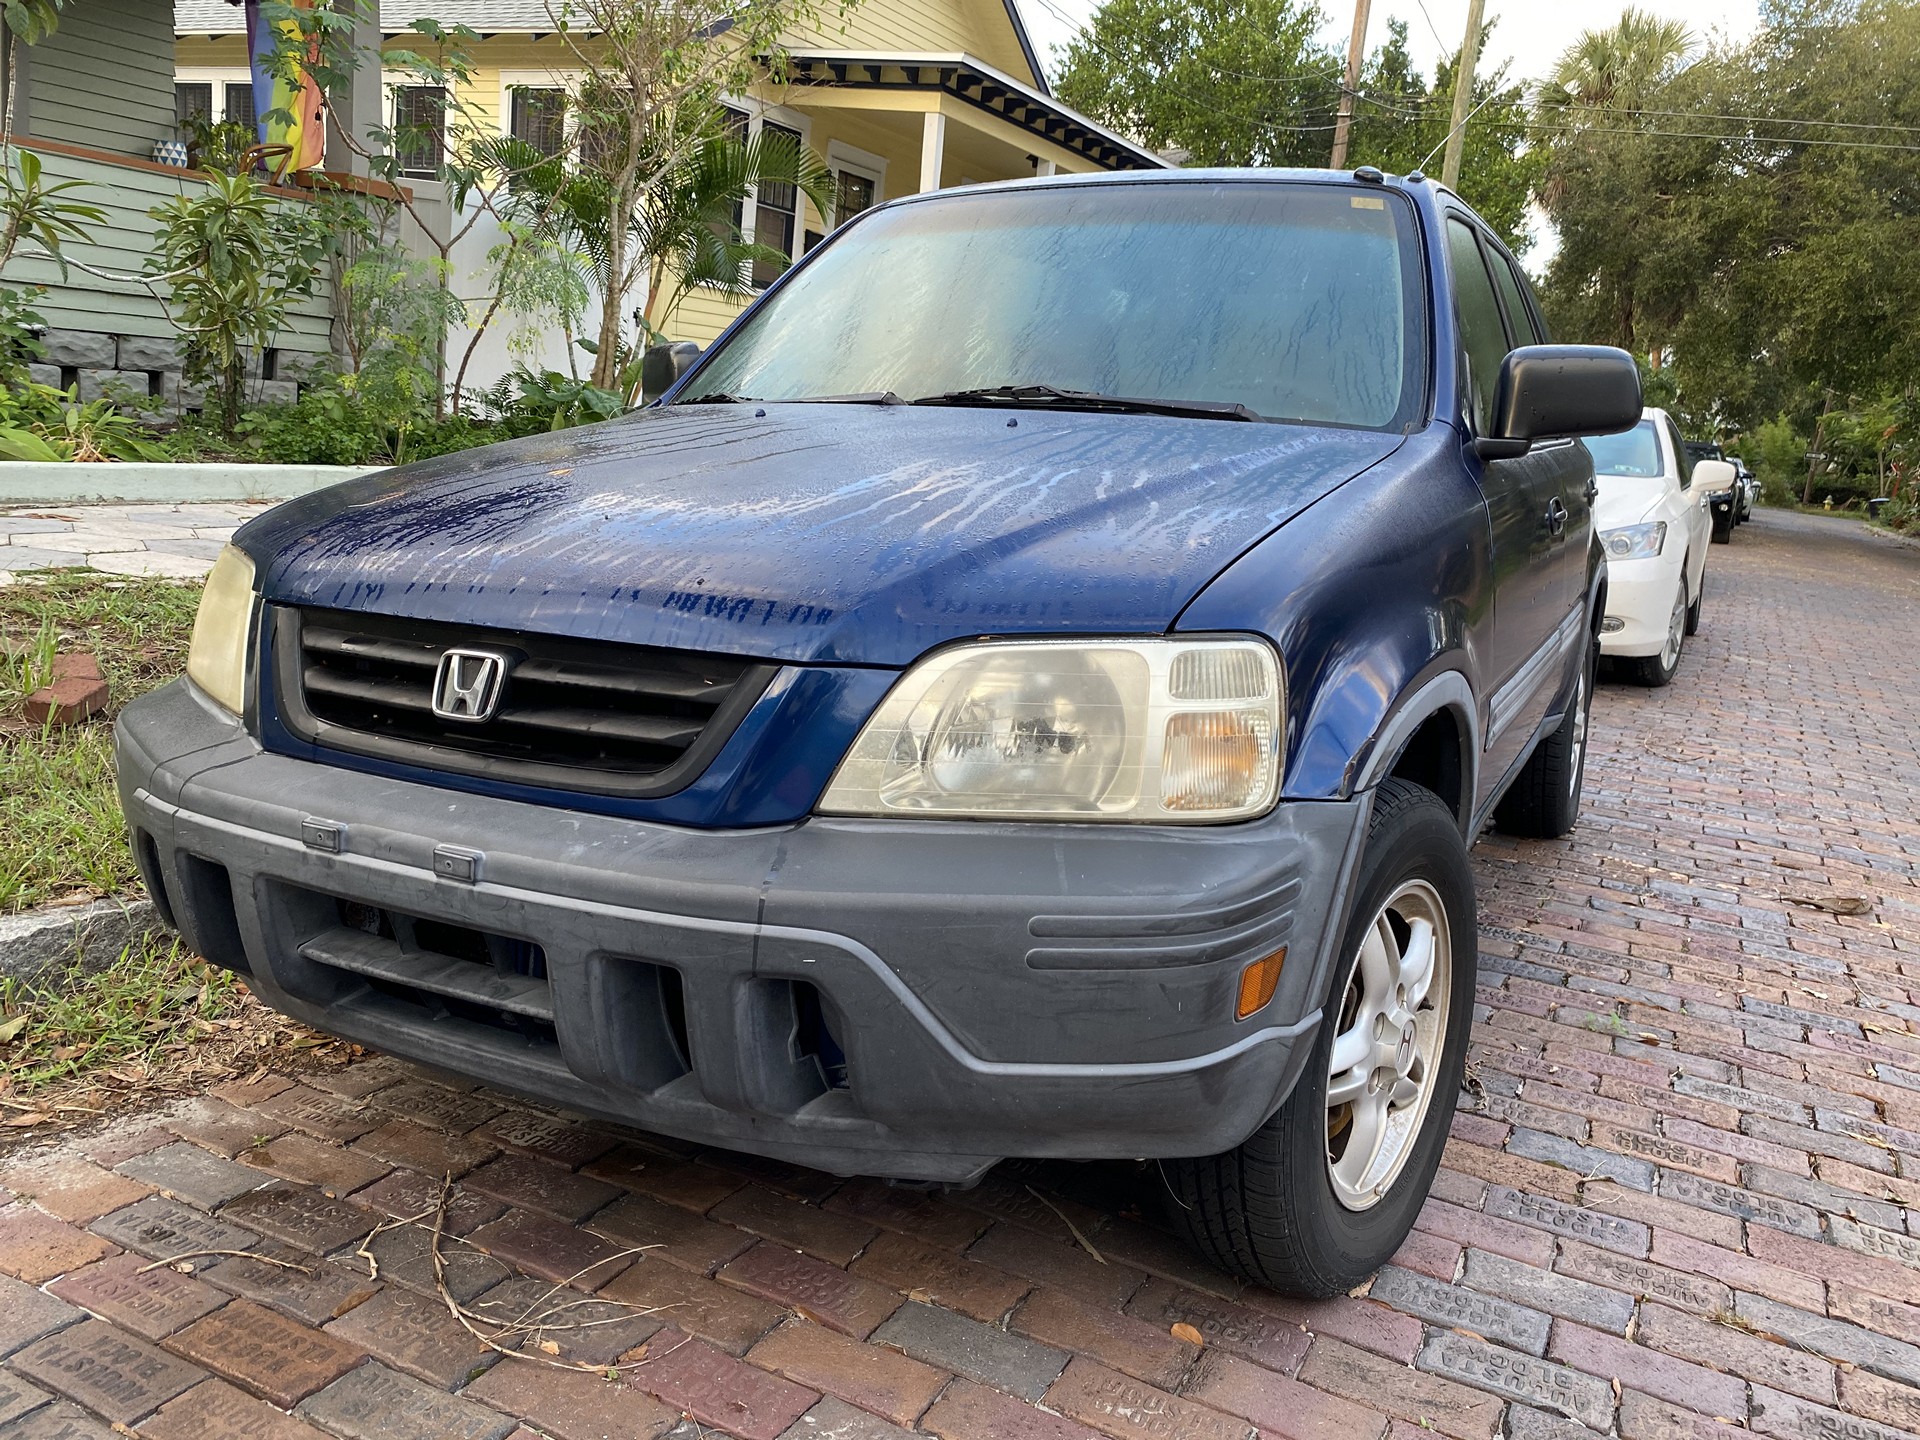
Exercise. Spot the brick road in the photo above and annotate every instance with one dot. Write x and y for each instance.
(1676, 1204)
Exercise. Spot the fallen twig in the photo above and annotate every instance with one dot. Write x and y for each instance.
(1085, 1244)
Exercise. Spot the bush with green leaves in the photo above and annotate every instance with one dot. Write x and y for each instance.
(235, 261)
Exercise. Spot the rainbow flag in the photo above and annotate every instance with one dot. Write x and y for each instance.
(290, 124)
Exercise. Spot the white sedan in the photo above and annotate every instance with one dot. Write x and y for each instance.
(1652, 516)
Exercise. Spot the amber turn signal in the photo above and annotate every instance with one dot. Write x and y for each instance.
(1257, 982)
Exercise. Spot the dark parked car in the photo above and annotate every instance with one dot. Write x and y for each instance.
(1723, 505)
(1027, 691)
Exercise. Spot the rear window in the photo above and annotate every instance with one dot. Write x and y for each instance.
(1635, 452)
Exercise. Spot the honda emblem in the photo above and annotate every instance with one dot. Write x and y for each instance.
(468, 684)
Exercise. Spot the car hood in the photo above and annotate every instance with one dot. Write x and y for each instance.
(1630, 499)
(848, 533)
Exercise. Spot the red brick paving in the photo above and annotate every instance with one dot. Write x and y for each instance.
(1675, 1205)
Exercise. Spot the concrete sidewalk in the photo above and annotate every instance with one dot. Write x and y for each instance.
(178, 541)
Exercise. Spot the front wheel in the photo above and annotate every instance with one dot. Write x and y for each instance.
(1699, 603)
(1658, 670)
(1326, 1191)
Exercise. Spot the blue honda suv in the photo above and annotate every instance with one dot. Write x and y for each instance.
(1028, 689)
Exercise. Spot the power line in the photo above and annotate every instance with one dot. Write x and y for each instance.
(1709, 135)
(1706, 115)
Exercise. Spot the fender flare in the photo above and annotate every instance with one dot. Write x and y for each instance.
(1448, 691)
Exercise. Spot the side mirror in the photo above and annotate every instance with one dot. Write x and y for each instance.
(1712, 477)
(663, 365)
(1559, 392)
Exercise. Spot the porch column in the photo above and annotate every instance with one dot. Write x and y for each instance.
(1045, 167)
(933, 149)
(357, 111)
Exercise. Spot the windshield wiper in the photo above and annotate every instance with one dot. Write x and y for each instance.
(716, 397)
(863, 397)
(1049, 396)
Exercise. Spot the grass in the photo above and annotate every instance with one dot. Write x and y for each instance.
(156, 1024)
(158, 997)
(61, 832)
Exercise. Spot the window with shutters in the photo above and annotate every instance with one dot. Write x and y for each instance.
(420, 128)
(538, 116)
(776, 221)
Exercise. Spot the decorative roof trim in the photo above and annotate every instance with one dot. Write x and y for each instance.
(1026, 47)
(981, 85)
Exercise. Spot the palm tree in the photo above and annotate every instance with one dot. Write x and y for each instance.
(1618, 68)
(685, 224)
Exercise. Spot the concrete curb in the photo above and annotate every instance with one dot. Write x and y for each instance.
(27, 482)
(44, 943)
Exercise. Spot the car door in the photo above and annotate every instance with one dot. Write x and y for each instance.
(1698, 517)
(1562, 469)
(1516, 667)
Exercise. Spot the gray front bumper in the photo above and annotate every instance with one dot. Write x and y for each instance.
(998, 989)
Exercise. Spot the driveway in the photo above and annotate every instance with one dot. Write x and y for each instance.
(1676, 1205)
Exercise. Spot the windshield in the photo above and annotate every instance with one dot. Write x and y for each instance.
(1298, 301)
(1635, 452)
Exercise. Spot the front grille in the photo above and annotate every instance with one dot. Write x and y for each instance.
(626, 720)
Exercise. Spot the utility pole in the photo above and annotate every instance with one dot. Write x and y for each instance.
(1462, 96)
(1356, 52)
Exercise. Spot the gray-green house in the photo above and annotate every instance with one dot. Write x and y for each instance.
(95, 100)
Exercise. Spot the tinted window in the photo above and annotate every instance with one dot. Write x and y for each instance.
(1680, 454)
(1481, 331)
(1519, 315)
(1636, 452)
(1302, 302)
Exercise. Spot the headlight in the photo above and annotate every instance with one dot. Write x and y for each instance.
(1169, 731)
(1635, 542)
(217, 656)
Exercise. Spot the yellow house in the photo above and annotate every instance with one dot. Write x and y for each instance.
(910, 95)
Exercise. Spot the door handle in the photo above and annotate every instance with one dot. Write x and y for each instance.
(1556, 517)
(1593, 491)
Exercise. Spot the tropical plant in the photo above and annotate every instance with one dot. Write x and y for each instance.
(235, 262)
(1619, 67)
(681, 232)
(34, 208)
(31, 20)
(38, 422)
(21, 327)
(529, 402)
(472, 162)
(651, 80)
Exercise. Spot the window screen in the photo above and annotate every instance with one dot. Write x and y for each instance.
(239, 103)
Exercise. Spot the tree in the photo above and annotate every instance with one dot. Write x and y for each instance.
(653, 74)
(1247, 82)
(235, 262)
(1745, 214)
(1220, 82)
(1400, 122)
(683, 230)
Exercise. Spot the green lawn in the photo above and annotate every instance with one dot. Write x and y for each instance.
(60, 827)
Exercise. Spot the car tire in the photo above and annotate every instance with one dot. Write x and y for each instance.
(1271, 1210)
(1655, 671)
(1696, 605)
(1544, 799)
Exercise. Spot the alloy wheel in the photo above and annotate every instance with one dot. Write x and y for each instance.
(1580, 705)
(1676, 631)
(1386, 1054)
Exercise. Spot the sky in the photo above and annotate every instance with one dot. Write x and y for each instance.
(1531, 33)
